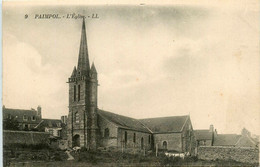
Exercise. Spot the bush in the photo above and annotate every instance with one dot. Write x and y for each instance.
(191, 159)
(170, 160)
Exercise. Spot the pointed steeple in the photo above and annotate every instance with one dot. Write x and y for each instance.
(83, 60)
(93, 68)
(74, 72)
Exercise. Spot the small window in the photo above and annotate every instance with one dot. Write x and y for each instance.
(78, 92)
(77, 117)
(25, 118)
(134, 138)
(106, 133)
(74, 92)
(149, 139)
(33, 118)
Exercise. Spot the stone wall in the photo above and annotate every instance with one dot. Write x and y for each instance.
(173, 140)
(241, 154)
(111, 139)
(130, 143)
(24, 137)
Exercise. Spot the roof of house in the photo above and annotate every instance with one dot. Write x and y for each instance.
(203, 134)
(165, 124)
(19, 113)
(49, 123)
(123, 121)
(226, 139)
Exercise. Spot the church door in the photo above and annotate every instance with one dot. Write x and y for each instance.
(76, 141)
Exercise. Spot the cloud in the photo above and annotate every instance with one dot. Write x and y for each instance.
(26, 80)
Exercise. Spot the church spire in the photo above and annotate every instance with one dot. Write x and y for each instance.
(93, 68)
(74, 72)
(83, 60)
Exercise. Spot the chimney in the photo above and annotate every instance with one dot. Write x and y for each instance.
(39, 111)
(245, 132)
(211, 128)
(216, 133)
(64, 119)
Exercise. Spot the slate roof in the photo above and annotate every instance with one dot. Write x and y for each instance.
(226, 139)
(49, 123)
(165, 124)
(19, 113)
(203, 134)
(123, 121)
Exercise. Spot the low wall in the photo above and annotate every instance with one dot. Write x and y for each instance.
(240, 154)
(24, 137)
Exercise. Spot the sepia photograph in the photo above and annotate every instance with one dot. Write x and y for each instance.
(138, 84)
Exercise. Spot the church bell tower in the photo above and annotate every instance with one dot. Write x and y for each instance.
(82, 119)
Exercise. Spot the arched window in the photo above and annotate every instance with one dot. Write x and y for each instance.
(165, 145)
(134, 138)
(106, 133)
(77, 117)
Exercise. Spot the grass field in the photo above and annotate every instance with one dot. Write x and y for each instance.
(59, 158)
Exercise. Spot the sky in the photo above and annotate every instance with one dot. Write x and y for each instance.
(152, 61)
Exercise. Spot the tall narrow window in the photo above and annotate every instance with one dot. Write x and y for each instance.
(125, 136)
(149, 139)
(134, 138)
(165, 145)
(78, 92)
(106, 135)
(74, 92)
(142, 143)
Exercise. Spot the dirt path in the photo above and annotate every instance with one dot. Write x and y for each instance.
(69, 155)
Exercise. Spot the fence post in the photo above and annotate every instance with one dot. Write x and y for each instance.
(156, 149)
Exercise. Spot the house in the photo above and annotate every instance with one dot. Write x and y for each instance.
(204, 137)
(235, 140)
(51, 126)
(26, 119)
(90, 127)
(57, 131)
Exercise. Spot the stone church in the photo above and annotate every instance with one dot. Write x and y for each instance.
(90, 127)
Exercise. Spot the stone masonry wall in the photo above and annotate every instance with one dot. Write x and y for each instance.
(129, 143)
(173, 141)
(111, 140)
(241, 154)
